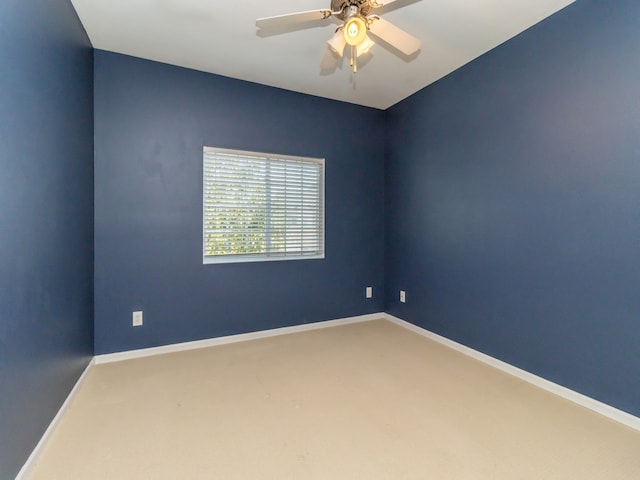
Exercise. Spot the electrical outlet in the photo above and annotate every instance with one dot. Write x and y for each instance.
(369, 292)
(137, 319)
(403, 296)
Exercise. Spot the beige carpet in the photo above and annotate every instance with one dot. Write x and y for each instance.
(368, 401)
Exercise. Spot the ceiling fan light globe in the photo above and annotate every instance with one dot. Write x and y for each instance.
(365, 46)
(355, 30)
(337, 42)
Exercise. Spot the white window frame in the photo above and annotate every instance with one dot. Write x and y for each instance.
(263, 256)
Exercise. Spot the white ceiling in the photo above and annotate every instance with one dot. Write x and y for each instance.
(220, 37)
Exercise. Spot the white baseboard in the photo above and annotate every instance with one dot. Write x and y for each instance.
(32, 461)
(564, 392)
(243, 337)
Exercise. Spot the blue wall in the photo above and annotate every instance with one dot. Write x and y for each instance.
(46, 217)
(509, 190)
(151, 122)
(513, 202)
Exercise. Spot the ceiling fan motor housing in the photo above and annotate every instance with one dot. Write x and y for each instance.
(364, 7)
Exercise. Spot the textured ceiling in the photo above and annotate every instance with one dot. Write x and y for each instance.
(221, 37)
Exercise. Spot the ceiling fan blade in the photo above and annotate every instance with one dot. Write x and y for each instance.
(396, 4)
(381, 3)
(300, 17)
(394, 36)
(337, 42)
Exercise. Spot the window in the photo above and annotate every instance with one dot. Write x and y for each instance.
(260, 207)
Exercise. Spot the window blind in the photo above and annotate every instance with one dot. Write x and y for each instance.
(261, 207)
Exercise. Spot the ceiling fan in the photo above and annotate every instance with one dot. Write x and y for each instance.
(356, 23)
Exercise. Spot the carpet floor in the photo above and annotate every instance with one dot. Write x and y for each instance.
(369, 401)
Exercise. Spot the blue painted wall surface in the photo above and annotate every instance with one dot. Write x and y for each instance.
(152, 121)
(513, 202)
(46, 217)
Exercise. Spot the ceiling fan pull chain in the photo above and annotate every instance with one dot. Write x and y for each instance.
(355, 61)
